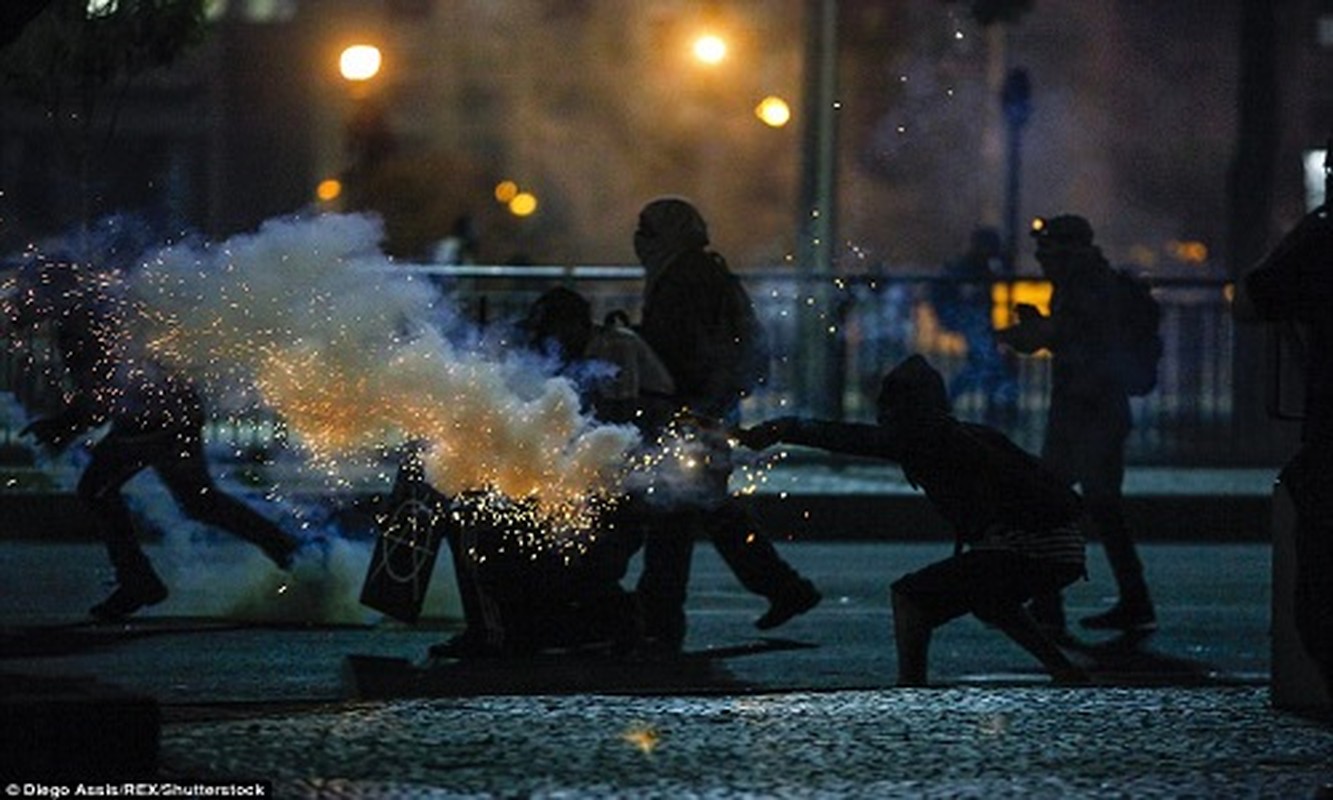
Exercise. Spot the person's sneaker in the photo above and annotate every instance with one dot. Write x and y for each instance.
(129, 597)
(800, 599)
(1122, 617)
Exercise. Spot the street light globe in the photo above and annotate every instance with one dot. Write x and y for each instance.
(524, 204)
(710, 49)
(360, 62)
(773, 111)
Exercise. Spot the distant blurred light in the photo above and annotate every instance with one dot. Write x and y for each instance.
(773, 111)
(505, 191)
(102, 8)
(1005, 295)
(329, 189)
(360, 62)
(710, 48)
(524, 204)
(1189, 252)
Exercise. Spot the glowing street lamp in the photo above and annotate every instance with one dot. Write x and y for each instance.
(710, 49)
(360, 62)
(773, 111)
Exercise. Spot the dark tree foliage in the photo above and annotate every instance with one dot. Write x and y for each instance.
(73, 46)
(74, 59)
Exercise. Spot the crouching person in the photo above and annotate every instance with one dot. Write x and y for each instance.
(1014, 522)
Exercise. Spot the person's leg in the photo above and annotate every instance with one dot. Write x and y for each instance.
(756, 563)
(113, 463)
(185, 474)
(911, 637)
(1102, 483)
(1015, 622)
(923, 601)
(1309, 480)
(668, 549)
(1061, 455)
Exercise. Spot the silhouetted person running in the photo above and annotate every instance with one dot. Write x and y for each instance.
(1015, 522)
(1089, 418)
(1294, 283)
(700, 322)
(156, 421)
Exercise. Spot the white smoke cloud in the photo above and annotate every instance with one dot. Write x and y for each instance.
(353, 353)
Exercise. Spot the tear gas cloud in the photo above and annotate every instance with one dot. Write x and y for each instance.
(308, 317)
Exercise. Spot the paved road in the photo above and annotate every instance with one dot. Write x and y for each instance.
(251, 688)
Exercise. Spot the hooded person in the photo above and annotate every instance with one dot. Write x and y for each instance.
(699, 320)
(1015, 523)
(697, 316)
(1088, 419)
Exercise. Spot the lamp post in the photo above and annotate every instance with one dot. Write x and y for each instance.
(1016, 100)
(818, 379)
(367, 137)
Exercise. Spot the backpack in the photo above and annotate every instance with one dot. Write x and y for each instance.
(1138, 342)
(745, 341)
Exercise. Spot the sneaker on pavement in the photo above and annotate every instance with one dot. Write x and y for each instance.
(800, 599)
(129, 597)
(1121, 617)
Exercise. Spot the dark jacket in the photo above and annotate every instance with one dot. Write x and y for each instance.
(694, 313)
(974, 476)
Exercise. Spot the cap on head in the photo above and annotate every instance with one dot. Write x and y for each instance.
(913, 388)
(1069, 230)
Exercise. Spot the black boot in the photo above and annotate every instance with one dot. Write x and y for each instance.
(131, 594)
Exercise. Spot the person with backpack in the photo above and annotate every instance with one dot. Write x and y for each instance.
(1100, 355)
(1015, 522)
(698, 318)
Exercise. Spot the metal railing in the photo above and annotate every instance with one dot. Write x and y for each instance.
(863, 323)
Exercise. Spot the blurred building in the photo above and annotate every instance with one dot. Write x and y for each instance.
(591, 107)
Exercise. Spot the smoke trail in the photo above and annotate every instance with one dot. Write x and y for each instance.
(353, 354)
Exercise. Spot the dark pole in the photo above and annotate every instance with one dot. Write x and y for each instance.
(1016, 100)
(818, 381)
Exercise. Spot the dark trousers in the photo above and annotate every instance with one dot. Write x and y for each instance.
(1308, 477)
(1091, 453)
(177, 456)
(668, 549)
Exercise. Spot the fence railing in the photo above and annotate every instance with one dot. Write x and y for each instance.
(861, 324)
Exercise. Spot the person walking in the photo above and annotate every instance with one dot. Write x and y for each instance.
(1089, 419)
(699, 320)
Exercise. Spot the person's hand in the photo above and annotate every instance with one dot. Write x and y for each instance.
(1028, 314)
(49, 432)
(763, 435)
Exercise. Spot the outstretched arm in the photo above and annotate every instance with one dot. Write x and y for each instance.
(848, 438)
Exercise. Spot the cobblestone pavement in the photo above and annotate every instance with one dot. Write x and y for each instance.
(960, 742)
